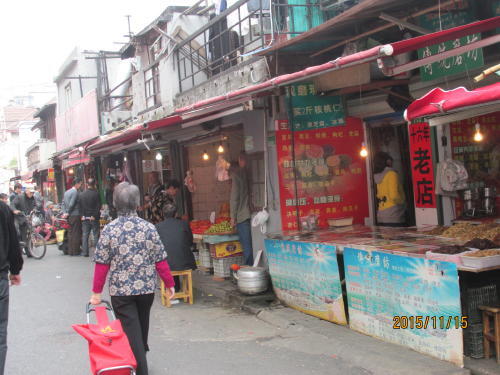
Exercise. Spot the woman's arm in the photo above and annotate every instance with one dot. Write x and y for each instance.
(100, 274)
(163, 270)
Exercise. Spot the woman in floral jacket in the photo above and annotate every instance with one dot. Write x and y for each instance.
(131, 250)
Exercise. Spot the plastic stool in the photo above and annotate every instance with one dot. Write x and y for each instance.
(491, 335)
(186, 292)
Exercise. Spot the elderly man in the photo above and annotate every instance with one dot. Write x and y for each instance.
(71, 210)
(22, 205)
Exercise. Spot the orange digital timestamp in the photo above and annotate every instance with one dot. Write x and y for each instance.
(434, 322)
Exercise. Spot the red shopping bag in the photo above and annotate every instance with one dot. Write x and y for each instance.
(108, 345)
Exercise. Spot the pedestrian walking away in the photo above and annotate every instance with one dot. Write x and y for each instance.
(90, 207)
(11, 261)
(22, 205)
(130, 249)
(71, 209)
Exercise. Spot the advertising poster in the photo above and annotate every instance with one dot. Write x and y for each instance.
(306, 277)
(421, 165)
(321, 173)
(309, 111)
(409, 301)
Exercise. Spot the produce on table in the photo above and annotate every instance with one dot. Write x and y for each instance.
(484, 253)
(465, 231)
(199, 226)
(437, 231)
(481, 244)
(222, 219)
(451, 249)
(223, 227)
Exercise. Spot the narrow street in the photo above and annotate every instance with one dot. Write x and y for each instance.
(202, 338)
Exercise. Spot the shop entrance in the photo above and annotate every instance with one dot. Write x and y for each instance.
(389, 134)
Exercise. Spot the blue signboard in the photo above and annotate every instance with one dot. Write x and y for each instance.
(409, 301)
(306, 277)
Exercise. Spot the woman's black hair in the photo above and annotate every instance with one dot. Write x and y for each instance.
(380, 161)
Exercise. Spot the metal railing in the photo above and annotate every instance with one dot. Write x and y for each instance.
(238, 33)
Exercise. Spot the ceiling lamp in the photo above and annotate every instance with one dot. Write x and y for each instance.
(364, 151)
(220, 149)
(159, 156)
(205, 156)
(478, 136)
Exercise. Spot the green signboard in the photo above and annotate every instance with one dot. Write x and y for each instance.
(308, 111)
(452, 65)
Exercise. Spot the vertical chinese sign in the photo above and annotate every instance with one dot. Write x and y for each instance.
(410, 301)
(481, 159)
(421, 165)
(306, 277)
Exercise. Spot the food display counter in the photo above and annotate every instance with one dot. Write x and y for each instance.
(384, 282)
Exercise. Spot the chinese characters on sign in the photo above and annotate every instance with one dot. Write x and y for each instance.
(456, 64)
(321, 173)
(306, 277)
(381, 286)
(310, 111)
(421, 162)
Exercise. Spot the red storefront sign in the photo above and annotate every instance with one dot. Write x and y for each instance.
(421, 165)
(51, 175)
(331, 176)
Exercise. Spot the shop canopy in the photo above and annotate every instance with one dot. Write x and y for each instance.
(383, 54)
(439, 102)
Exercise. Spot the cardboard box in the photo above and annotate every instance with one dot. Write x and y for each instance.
(226, 249)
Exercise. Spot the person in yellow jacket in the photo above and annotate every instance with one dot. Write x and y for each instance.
(391, 210)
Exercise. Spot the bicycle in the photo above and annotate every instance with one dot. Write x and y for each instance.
(36, 246)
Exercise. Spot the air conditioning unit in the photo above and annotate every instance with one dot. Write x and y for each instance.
(111, 120)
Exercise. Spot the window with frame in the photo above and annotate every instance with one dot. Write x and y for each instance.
(256, 171)
(68, 95)
(152, 86)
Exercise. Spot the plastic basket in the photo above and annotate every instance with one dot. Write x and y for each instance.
(475, 297)
(222, 266)
(473, 341)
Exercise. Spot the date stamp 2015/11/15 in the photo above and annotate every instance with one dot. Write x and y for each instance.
(424, 322)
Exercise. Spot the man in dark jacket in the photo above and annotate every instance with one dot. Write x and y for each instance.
(90, 208)
(22, 205)
(177, 239)
(11, 261)
(71, 210)
(18, 189)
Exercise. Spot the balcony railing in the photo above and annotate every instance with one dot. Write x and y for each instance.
(237, 34)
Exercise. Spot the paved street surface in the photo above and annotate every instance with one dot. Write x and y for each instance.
(204, 338)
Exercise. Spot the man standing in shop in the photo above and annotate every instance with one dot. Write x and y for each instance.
(162, 198)
(90, 206)
(240, 207)
(71, 210)
(11, 261)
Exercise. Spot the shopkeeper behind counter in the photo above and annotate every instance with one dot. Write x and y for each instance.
(240, 207)
(390, 194)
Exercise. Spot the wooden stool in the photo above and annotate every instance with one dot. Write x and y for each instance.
(491, 335)
(186, 292)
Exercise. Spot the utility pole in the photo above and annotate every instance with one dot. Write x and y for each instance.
(128, 16)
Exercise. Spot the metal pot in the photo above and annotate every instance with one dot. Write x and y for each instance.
(252, 280)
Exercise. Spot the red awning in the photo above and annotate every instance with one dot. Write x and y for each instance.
(132, 133)
(439, 101)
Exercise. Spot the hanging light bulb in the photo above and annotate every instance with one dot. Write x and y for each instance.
(159, 156)
(220, 149)
(478, 136)
(71, 171)
(364, 151)
(205, 156)
(125, 158)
